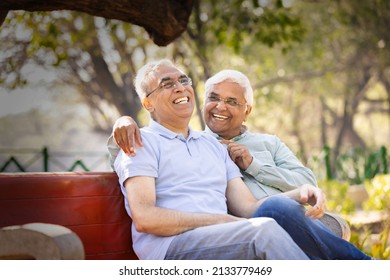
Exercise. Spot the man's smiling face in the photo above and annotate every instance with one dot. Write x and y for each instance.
(173, 104)
(225, 109)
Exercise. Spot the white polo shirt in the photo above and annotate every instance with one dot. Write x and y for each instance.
(191, 175)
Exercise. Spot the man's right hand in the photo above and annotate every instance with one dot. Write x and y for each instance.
(127, 135)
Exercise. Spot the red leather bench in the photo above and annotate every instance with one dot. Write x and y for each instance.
(88, 203)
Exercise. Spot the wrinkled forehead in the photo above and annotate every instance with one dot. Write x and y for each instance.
(166, 72)
(228, 88)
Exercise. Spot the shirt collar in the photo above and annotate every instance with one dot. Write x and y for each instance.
(243, 133)
(165, 132)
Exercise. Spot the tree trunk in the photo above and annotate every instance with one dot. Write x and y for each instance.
(347, 130)
(324, 133)
(296, 117)
(385, 79)
(126, 101)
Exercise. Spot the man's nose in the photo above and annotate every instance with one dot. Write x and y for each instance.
(178, 86)
(221, 105)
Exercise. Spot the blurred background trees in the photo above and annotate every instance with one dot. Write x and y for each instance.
(320, 69)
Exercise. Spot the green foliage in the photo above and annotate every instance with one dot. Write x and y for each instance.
(379, 193)
(266, 22)
(328, 164)
(381, 250)
(375, 163)
(323, 39)
(359, 239)
(375, 245)
(362, 236)
(336, 196)
(379, 200)
(357, 164)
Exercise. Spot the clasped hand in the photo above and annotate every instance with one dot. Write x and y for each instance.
(313, 196)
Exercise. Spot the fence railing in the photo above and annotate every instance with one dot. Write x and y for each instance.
(354, 166)
(45, 160)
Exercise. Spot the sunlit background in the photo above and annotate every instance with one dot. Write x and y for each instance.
(320, 72)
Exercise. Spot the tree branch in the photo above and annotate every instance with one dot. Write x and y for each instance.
(163, 20)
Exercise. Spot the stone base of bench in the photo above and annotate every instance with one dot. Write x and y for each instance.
(40, 241)
(337, 225)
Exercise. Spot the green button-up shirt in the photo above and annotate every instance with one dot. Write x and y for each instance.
(274, 168)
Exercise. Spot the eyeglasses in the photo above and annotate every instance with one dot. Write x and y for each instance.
(228, 101)
(167, 84)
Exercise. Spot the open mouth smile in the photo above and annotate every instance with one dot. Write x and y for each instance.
(219, 117)
(181, 100)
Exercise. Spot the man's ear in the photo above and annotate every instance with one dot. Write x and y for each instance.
(248, 111)
(147, 104)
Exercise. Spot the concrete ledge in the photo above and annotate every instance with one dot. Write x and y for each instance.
(40, 241)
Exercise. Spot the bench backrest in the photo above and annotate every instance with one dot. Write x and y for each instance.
(88, 203)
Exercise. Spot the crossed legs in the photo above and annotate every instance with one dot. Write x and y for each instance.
(312, 236)
(252, 239)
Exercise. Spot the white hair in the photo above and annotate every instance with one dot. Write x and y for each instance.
(235, 77)
(146, 74)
